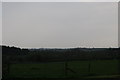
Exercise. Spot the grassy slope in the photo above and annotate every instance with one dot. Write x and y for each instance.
(56, 69)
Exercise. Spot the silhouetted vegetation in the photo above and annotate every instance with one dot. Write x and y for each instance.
(46, 55)
(13, 55)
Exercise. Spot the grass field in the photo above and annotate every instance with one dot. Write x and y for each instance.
(98, 68)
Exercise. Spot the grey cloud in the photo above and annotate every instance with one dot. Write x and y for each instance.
(65, 24)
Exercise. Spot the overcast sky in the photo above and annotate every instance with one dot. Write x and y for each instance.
(60, 24)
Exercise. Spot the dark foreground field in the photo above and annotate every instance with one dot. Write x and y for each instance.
(75, 63)
(97, 69)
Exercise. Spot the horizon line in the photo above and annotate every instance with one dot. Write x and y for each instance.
(54, 47)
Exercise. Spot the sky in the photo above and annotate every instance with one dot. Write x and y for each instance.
(60, 0)
(60, 24)
(0, 23)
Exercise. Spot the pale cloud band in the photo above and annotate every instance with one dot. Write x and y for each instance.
(60, 0)
(60, 24)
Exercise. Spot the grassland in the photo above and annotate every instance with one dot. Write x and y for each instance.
(98, 69)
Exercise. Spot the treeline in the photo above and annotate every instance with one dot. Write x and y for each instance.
(16, 55)
(6, 50)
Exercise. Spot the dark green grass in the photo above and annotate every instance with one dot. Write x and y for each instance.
(57, 69)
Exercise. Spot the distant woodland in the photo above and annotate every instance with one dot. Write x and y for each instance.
(15, 55)
(18, 55)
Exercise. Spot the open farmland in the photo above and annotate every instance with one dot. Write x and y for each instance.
(103, 68)
(60, 63)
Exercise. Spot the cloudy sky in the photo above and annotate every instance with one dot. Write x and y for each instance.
(60, 24)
